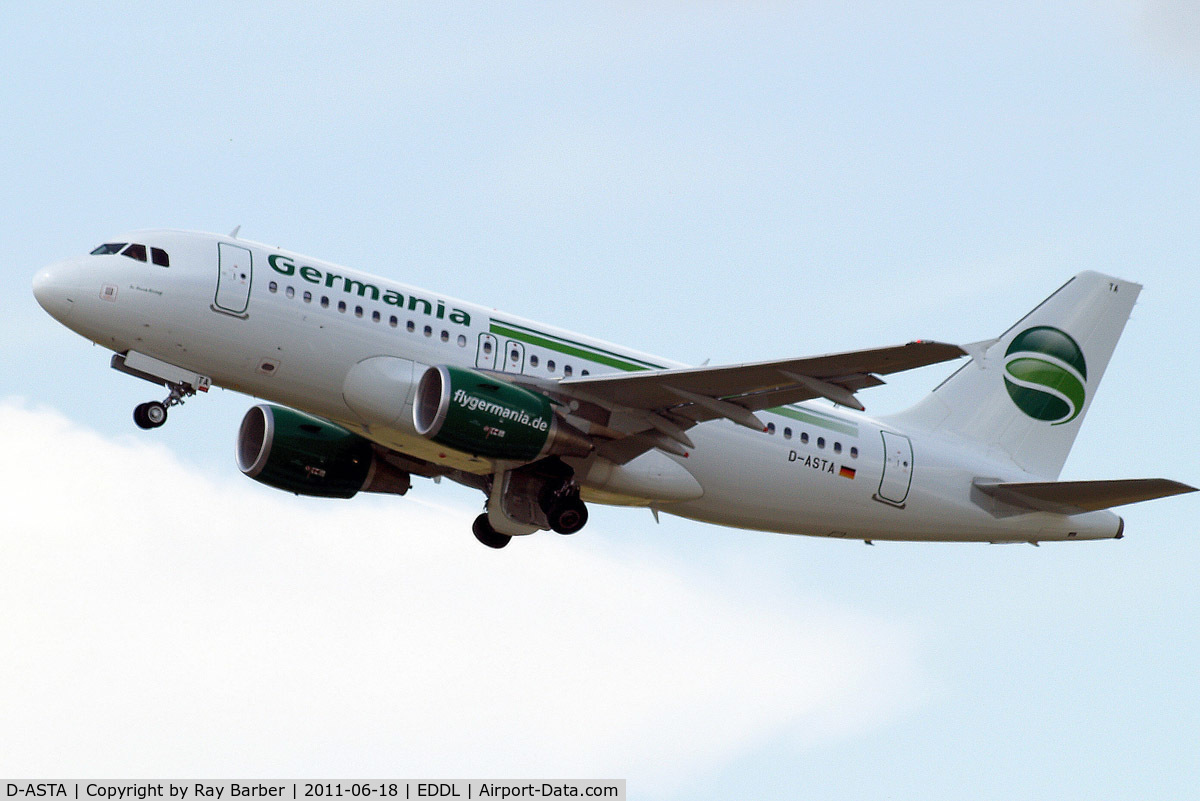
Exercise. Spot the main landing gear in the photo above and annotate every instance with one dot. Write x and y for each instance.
(567, 515)
(153, 414)
(567, 518)
(483, 531)
(542, 496)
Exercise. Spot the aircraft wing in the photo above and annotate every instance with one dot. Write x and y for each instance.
(670, 401)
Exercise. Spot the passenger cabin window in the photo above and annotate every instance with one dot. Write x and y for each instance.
(160, 257)
(567, 370)
(135, 252)
(108, 249)
(533, 360)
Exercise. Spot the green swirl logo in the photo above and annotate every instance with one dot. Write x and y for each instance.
(1046, 375)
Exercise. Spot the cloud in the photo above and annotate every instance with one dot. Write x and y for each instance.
(157, 621)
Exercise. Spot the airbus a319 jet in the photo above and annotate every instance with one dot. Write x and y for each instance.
(368, 382)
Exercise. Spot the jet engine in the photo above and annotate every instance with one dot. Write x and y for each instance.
(296, 452)
(486, 416)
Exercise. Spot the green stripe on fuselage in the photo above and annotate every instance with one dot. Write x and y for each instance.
(816, 419)
(570, 348)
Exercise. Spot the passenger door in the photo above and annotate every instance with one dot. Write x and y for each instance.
(235, 273)
(897, 469)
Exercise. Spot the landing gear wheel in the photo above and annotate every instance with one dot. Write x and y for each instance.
(150, 415)
(156, 413)
(483, 531)
(568, 515)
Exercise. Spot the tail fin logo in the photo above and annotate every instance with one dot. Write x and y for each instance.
(1045, 374)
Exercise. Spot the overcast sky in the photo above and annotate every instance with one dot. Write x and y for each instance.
(725, 181)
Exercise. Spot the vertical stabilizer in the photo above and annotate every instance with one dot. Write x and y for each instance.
(1024, 395)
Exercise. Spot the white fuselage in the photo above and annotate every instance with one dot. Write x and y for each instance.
(288, 328)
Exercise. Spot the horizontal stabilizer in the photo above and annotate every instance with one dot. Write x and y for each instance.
(1075, 497)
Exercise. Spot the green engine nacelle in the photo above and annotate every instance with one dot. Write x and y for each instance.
(306, 455)
(486, 416)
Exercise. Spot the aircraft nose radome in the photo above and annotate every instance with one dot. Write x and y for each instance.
(43, 283)
(52, 292)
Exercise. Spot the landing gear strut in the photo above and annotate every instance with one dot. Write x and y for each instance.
(154, 413)
(483, 531)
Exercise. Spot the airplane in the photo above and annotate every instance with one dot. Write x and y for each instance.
(368, 382)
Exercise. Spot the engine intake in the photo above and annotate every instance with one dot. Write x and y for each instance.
(296, 452)
(487, 416)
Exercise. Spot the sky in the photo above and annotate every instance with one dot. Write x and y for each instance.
(724, 181)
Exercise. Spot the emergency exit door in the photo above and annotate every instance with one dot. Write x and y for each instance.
(487, 354)
(514, 357)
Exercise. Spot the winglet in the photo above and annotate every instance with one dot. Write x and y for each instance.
(978, 350)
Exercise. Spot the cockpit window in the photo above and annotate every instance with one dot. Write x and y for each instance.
(109, 249)
(135, 252)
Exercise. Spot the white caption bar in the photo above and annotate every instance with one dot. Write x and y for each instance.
(377, 790)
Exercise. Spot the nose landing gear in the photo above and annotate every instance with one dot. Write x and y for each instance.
(150, 415)
(182, 383)
(153, 414)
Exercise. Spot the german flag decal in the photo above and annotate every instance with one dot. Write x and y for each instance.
(846, 472)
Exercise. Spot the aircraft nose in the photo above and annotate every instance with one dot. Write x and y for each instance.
(53, 290)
